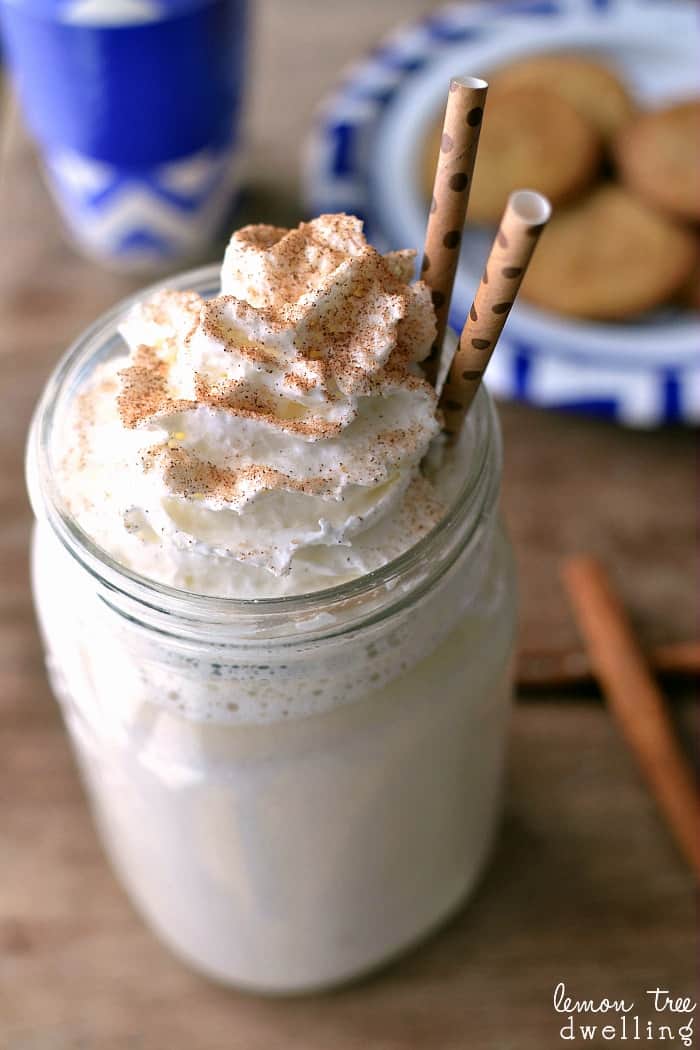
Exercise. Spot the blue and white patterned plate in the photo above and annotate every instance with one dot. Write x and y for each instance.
(364, 157)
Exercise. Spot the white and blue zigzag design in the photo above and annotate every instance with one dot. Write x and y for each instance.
(152, 217)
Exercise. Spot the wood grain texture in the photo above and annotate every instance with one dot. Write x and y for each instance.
(584, 885)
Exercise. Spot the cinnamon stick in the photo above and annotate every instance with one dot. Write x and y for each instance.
(635, 700)
(539, 669)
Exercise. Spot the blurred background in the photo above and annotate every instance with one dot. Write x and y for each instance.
(117, 167)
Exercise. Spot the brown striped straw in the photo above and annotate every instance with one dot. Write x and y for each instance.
(448, 208)
(526, 215)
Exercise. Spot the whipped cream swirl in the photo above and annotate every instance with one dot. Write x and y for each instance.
(273, 433)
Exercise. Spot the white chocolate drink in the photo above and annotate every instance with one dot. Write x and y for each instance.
(281, 643)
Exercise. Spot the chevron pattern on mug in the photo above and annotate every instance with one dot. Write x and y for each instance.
(145, 219)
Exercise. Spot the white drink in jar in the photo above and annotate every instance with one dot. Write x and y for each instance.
(282, 646)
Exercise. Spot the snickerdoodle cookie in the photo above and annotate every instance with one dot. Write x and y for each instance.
(588, 85)
(530, 138)
(609, 257)
(658, 156)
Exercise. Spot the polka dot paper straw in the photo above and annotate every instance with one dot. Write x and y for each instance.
(526, 215)
(448, 208)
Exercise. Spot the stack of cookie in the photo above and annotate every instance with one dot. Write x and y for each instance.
(625, 185)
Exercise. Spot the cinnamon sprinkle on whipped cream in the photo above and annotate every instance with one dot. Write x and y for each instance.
(267, 440)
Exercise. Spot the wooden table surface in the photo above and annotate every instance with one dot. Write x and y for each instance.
(584, 887)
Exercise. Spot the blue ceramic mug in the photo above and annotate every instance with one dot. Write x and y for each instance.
(135, 105)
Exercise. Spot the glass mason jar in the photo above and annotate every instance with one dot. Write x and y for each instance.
(292, 790)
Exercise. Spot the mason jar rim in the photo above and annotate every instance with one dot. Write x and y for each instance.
(476, 493)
